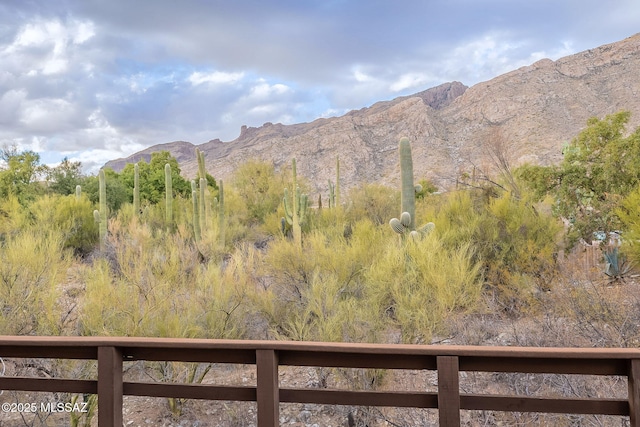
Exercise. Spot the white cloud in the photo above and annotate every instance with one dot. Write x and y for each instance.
(361, 77)
(47, 115)
(45, 45)
(217, 77)
(410, 80)
(264, 90)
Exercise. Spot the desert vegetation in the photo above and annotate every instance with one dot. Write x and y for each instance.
(145, 252)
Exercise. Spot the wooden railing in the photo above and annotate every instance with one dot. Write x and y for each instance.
(110, 354)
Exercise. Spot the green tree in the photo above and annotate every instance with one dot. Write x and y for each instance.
(259, 188)
(599, 168)
(152, 178)
(117, 192)
(20, 173)
(64, 177)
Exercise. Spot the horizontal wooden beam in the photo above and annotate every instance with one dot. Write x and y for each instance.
(356, 360)
(48, 384)
(190, 391)
(362, 398)
(549, 405)
(545, 365)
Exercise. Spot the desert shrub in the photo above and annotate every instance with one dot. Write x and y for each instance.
(13, 216)
(515, 242)
(72, 217)
(156, 286)
(32, 266)
(418, 283)
(318, 293)
(375, 202)
(260, 189)
(630, 221)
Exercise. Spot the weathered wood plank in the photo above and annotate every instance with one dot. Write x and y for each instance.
(109, 387)
(448, 391)
(544, 404)
(360, 398)
(267, 393)
(634, 392)
(48, 384)
(190, 391)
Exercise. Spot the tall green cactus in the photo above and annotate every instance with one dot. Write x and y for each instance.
(136, 189)
(334, 190)
(202, 172)
(202, 181)
(406, 224)
(197, 231)
(78, 192)
(168, 195)
(295, 210)
(100, 216)
(219, 201)
(203, 211)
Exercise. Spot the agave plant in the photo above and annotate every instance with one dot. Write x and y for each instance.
(617, 268)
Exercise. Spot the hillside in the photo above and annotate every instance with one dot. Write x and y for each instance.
(536, 109)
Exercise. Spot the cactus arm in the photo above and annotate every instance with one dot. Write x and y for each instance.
(287, 209)
(78, 192)
(302, 216)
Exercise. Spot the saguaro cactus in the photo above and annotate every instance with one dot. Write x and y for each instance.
(203, 212)
(334, 190)
(202, 181)
(168, 195)
(197, 232)
(406, 224)
(219, 202)
(100, 216)
(136, 189)
(295, 209)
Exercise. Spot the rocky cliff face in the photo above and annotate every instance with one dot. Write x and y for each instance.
(532, 111)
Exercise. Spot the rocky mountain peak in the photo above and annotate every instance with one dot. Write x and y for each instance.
(534, 109)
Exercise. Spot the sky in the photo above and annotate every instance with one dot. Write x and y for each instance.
(95, 80)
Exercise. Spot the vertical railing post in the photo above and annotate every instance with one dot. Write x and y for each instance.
(109, 387)
(634, 392)
(268, 394)
(448, 391)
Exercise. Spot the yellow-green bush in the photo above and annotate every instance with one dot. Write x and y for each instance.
(259, 188)
(157, 286)
(33, 265)
(318, 293)
(71, 216)
(515, 242)
(417, 283)
(373, 201)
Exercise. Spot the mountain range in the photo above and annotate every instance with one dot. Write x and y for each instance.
(526, 114)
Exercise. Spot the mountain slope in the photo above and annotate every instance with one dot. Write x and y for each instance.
(534, 110)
